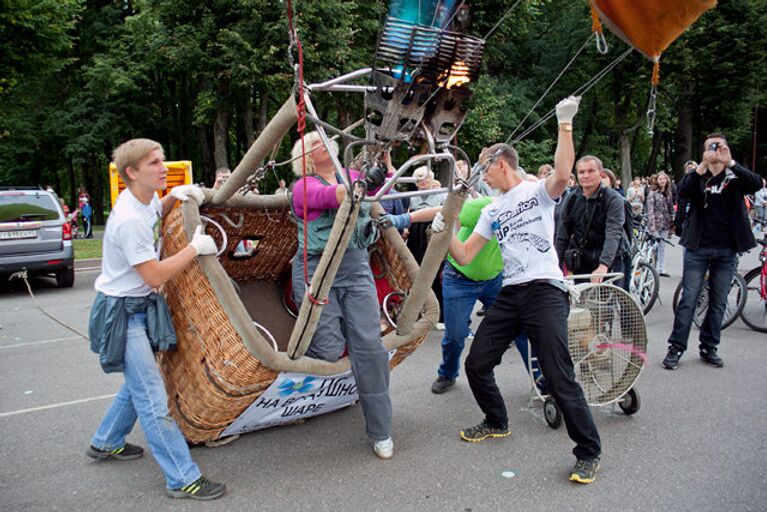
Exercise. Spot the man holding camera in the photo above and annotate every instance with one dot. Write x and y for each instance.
(716, 230)
(222, 174)
(590, 234)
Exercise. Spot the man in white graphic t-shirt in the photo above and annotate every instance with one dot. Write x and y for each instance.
(534, 296)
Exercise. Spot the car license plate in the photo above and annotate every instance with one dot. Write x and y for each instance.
(13, 235)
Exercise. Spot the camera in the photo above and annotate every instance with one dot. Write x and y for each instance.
(714, 146)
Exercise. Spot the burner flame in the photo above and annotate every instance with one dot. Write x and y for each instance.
(458, 75)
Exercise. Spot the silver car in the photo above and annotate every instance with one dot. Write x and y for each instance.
(35, 235)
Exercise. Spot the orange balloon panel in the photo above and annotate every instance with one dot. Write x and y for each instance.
(650, 26)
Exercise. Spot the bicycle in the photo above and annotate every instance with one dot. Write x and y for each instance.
(754, 313)
(644, 282)
(736, 300)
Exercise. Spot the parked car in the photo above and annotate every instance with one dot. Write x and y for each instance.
(35, 235)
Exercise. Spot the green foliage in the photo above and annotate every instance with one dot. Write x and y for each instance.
(77, 77)
(34, 36)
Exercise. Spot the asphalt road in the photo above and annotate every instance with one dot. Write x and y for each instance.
(698, 442)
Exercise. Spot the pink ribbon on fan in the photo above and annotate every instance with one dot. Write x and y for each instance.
(626, 348)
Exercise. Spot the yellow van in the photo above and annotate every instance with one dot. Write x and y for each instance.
(179, 173)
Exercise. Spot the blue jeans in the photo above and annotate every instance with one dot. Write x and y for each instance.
(719, 262)
(459, 294)
(143, 397)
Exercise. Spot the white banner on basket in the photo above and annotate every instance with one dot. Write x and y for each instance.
(293, 396)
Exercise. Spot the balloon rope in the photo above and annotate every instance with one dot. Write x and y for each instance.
(585, 43)
(583, 89)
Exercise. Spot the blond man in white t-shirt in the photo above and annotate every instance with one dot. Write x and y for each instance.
(130, 321)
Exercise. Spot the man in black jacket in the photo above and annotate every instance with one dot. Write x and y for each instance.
(716, 230)
(590, 234)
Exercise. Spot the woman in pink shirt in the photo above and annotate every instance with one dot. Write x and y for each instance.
(350, 319)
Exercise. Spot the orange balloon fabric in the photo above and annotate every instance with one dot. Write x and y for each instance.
(650, 26)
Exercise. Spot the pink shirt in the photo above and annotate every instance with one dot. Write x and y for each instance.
(319, 197)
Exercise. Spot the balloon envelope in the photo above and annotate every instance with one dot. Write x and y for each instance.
(650, 26)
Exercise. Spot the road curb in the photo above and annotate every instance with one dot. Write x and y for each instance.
(88, 264)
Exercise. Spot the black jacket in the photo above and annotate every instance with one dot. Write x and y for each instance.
(692, 188)
(606, 235)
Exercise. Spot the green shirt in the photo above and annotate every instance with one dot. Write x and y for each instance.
(488, 263)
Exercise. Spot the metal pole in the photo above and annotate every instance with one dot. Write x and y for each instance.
(325, 139)
(407, 165)
(339, 80)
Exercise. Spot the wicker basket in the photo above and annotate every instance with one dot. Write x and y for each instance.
(213, 377)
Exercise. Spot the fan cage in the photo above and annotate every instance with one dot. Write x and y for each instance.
(607, 340)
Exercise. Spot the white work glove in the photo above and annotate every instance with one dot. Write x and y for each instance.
(567, 108)
(203, 244)
(184, 192)
(438, 224)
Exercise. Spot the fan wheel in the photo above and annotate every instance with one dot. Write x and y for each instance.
(552, 413)
(630, 403)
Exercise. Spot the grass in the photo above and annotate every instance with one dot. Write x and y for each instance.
(87, 248)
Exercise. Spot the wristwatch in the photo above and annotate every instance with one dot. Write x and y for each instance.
(566, 127)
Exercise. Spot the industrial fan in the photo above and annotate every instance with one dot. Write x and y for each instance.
(607, 340)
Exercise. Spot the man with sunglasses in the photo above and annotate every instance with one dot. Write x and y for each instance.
(716, 230)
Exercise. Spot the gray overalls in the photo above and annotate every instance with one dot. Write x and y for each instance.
(351, 319)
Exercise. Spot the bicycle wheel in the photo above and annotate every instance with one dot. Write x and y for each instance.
(736, 300)
(700, 308)
(754, 312)
(677, 295)
(644, 285)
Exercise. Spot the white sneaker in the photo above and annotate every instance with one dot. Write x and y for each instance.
(384, 449)
(439, 326)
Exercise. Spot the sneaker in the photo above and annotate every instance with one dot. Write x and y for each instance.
(483, 431)
(201, 489)
(127, 452)
(384, 449)
(440, 326)
(672, 359)
(585, 471)
(710, 356)
(441, 385)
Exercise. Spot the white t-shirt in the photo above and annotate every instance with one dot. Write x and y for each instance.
(522, 220)
(132, 236)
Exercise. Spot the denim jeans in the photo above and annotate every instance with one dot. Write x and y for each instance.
(719, 262)
(541, 310)
(143, 397)
(459, 295)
